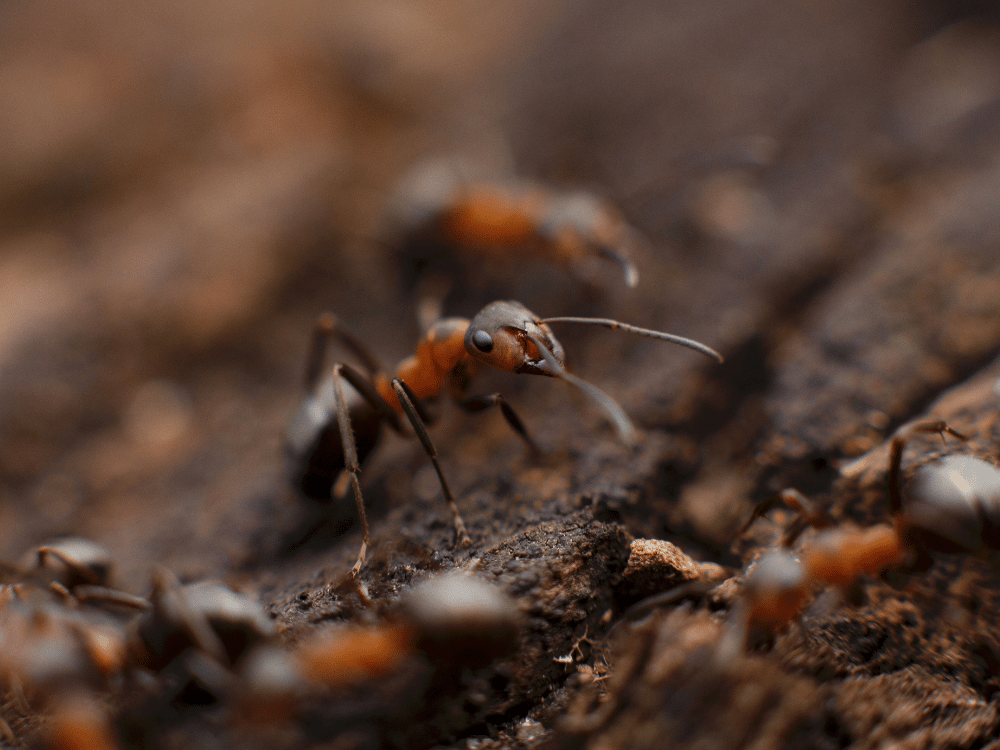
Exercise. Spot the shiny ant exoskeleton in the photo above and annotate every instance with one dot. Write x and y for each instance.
(441, 211)
(333, 431)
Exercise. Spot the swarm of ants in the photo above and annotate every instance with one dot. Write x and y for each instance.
(101, 662)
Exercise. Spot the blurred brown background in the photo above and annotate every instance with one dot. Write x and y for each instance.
(184, 186)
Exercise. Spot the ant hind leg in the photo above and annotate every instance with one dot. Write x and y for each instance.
(477, 404)
(326, 328)
(351, 465)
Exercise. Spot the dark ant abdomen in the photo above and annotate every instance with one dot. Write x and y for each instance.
(316, 471)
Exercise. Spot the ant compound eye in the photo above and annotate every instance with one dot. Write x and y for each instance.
(482, 341)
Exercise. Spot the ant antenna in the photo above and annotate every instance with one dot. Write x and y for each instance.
(614, 324)
(623, 425)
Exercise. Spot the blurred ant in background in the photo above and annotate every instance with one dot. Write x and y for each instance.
(453, 620)
(74, 569)
(442, 214)
(950, 505)
(334, 431)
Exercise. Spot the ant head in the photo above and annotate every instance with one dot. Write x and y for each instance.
(774, 588)
(500, 336)
(956, 499)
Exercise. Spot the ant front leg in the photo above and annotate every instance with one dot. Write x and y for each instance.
(808, 513)
(88, 593)
(477, 404)
(408, 401)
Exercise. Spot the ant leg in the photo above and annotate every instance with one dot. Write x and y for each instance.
(62, 592)
(407, 399)
(476, 404)
(327, 326)
(807, 514)
(624, 262)
(763, 508)
(71, 563)
(167, 598)
(369, 393)
(896, 447)
(86, 593)
(7, 732)
(318, 346)
(350, 461)
(352, 468)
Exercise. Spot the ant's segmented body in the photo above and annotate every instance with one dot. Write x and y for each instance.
(442, 211)
(453, 621)
(950, 505)
(332, 432)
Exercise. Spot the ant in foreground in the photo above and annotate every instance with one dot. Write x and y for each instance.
(441, 208)
(504, 335)
(950, 505)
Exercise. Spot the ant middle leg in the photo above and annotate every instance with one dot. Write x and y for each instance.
(408, 401)
(477, 404)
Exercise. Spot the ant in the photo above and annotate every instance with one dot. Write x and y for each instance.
(440, 208)
(199, 631)
(951, 505)
(74, 569)
(453, 620)
(61, 659)
(333, 432)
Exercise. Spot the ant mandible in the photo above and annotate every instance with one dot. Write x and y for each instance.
(503, 335)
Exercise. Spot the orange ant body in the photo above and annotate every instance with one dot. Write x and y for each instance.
(332, 434)
(441, 209)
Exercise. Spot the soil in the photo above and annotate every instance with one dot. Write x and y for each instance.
(184, 189)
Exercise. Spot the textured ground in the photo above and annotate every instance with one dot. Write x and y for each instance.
(183, 189)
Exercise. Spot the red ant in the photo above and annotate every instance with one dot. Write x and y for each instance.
(441, 205)
(503, 335)
(949, 505)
